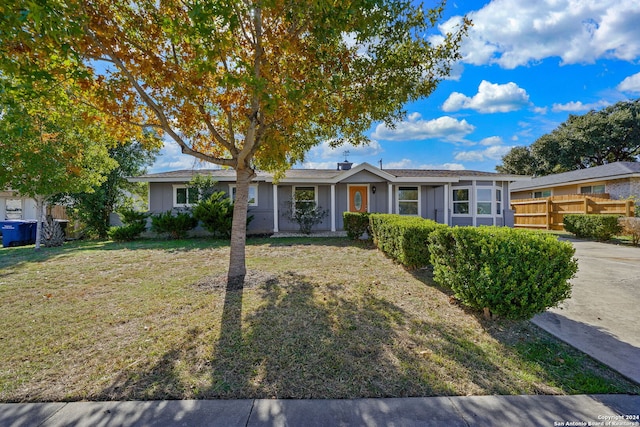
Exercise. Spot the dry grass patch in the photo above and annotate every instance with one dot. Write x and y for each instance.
(320, 318)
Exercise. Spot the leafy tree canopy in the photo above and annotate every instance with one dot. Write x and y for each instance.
(596, 138)
(49, 144)
(93, 208)
(244, 84)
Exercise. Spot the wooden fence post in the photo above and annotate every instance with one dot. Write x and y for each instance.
(586, 205)
(549, 216)
(627, 209)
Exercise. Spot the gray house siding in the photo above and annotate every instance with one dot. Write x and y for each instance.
(332, 194)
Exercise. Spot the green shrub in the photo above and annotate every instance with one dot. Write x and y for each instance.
(215, 213)
(306, 214)
(176, 225)
(514, 273)
(598, 227)
(403, 238)
(135, 223)
(356, 224)
(126, 233)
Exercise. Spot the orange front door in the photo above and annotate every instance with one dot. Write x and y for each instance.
(358, 198)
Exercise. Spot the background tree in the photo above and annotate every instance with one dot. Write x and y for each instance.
(48, 145)
(242, 84)
(94, 208)
(594, 139)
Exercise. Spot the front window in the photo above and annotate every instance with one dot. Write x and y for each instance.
(253, 194)
(498, 202)
(304, 195)
(461, 201)
(184, 196)
(592, 189)
(408, 201)
(483, 201)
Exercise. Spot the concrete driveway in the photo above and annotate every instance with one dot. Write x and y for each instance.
(602, 317)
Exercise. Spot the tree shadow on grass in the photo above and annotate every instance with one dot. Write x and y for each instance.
(293, 338)
(303, 343)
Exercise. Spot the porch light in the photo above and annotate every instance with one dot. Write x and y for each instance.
(373, 189)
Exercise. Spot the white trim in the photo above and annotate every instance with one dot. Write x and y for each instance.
(174, 190)
(447, 207)
(419, 188)
(275, 208)
(333, 207)
(232, 197)
(468, 201)
(390, 197)
(472, 204)
(349, 193)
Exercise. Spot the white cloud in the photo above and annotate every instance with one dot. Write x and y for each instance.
(491, 98)
(495, 151)
(171, 158)
(578, 106)
(325, 151)
(415, 129)
(319, 165)
(492, 140)
(630, 84)
(540, 110)
(514, 33)
(412, 164)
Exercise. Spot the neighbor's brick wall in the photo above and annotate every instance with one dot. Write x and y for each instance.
(623, 188)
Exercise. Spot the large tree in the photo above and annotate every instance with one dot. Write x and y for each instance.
(593, 139)
(48, 145)
(239, 83)
(93, 208)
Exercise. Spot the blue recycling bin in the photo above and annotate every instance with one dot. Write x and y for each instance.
(18, 233)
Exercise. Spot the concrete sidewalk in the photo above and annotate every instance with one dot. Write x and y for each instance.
(618, 410)
(602, 318)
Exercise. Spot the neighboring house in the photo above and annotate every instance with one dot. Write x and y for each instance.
(450, 197)
(13, 206)
(620, 180)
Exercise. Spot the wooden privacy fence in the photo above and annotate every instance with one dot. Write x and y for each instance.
(548, 213)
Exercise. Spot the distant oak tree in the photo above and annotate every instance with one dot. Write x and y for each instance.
(242, 84)
(593, 139)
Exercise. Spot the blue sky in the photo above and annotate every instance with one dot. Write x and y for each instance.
(526, 66)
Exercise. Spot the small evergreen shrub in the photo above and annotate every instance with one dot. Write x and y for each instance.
(177, 226)
(631, 227)
(514, 273)
(135, 223)
(215, 212)
(306, 214)
(403, 238)
(126, 233)
(598, 227)
(356, 224)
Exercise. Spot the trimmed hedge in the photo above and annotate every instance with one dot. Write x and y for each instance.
(356, 224)
(514, 273)
(598, 227)
(403, 238)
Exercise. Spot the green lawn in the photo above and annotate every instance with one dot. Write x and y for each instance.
(318, 318)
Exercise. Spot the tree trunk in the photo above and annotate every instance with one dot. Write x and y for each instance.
(39, 216)
(237, 263)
